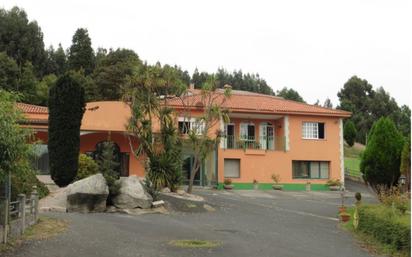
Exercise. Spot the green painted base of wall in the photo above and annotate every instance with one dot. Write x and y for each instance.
(286, 187)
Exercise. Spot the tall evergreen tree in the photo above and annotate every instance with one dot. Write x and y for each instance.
(290, 94)
(81, 53)
(381, 160)
(349, 133)
(66, 108)
(56, 61)
(9, 73)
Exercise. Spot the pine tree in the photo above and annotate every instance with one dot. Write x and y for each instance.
(349, 133)
(81, 53)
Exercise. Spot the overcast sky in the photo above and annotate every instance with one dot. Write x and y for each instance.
(312, 46)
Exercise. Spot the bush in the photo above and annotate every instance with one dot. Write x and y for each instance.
(358, 196)
(227, 181)
(349, 133)
(66, 108)
(333, 182)
(107, 166)
(276, 178)
(87, 167)
(381, 159)
(385, 226)
(22, 182)
(393, 197)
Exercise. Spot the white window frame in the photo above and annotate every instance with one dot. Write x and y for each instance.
(194, 124)
(247, 124)
(310, 130)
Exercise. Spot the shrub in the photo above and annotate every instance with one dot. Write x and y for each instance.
(349, 133)
(393, 197)
(22, 182)
(107, 166)
(66, 108)
(333, 182)
(87, 167)
(381, 159)
(358, 196)
(227, 181)
(380, 222)
(276, 178)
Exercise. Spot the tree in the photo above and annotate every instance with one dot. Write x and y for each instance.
(42, 89)
(349, 133)
(66, 108)
(163, 166)
(108, 167)
(328, 103)
(9, 73)
(406, 161)
(81, 53)
(202, 140)
(290, 94)
(28, 83)
(22, 40)
(56, 61)
(112, 70)
(381, 159)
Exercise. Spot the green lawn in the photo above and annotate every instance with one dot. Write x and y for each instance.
(352, 159)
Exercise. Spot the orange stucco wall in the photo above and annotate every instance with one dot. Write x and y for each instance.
(261, 164)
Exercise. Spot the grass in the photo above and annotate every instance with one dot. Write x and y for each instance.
(353, 159)
(195, 243)
(369, 242)
(46, 228)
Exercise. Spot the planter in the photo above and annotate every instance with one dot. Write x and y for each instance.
(307, 186)
(228, 187)
(342, 209)
(345, 217)
(334, 188)
(277, 187)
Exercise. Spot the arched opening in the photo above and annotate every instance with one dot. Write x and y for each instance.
(121, 158)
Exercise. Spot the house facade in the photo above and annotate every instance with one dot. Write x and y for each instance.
(266, 135)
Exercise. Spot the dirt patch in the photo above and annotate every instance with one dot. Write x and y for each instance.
(46, 228)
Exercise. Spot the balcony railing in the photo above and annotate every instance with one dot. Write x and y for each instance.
(270, 143)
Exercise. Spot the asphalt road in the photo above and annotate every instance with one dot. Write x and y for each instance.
(247, 223)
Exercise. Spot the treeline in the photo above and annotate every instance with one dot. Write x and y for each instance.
(28, 68)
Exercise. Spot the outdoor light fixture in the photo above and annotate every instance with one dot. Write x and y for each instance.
(402, 180)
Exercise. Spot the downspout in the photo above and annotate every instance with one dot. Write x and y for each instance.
(216, 166)
(342, 167)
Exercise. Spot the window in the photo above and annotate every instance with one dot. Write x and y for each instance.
(185, 125)
(310, 169)
(247, 131)
(232, 168)
(313, 130)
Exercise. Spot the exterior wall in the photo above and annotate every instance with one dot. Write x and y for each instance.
(261, 164)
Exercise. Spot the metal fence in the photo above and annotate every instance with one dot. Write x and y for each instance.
(18, 215)
(270, 143)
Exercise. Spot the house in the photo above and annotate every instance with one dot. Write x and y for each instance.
(266, 135)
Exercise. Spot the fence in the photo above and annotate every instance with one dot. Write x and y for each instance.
(250, 142)
(18, 215)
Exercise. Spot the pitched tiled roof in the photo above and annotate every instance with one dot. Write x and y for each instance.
(242, 101)
(29, 108)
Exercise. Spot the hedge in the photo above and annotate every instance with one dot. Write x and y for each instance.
(386, 226)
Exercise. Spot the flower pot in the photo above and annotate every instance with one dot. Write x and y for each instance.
(255, 186)
(334, 188)
(277, 187)
(342, 209)
(345, 217)
(228, 187)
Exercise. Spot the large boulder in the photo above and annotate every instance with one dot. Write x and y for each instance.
(88, 195)
(132, 194)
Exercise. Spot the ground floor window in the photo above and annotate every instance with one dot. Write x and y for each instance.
(40, 161)
(310, 169)
(232, 168)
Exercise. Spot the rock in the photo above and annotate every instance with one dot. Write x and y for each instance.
(158, 203)
(165, 190)
(88, 195)
(184, 202)
(132, 194)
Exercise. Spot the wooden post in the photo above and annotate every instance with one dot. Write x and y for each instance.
(4, 203)
(35, 203)
(22, 211)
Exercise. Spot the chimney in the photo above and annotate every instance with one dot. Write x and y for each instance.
(191, 86)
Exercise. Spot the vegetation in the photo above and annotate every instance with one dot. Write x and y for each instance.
(290, 94)
(81, 54)
(368, 105)
(334, 182)
(194, 243)
(15, 152)
(107, 166)
(276, 178)
(381, 160)
(87, 167)
(227, 181)
(349, 133)
(163, 167)
(66, 108)
(406, 161)
(45, 228)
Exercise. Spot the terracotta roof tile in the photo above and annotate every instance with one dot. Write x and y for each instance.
(29, 108)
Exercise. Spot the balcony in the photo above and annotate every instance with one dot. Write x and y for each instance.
(268, 143)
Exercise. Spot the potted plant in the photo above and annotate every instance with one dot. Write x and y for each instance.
(227, 184)
(344, 216)
(342, 209)
(276, 180)
(255, 184)
(334, 185)
(308, 186)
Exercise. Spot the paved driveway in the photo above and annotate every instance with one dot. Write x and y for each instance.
(248, 223)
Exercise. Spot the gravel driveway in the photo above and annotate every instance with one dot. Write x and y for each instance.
(247, 223)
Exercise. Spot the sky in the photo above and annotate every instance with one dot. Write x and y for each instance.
(312, 46)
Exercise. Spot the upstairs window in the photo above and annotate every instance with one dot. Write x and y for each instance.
(247, 131)
(313, 130)
(185, 125)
